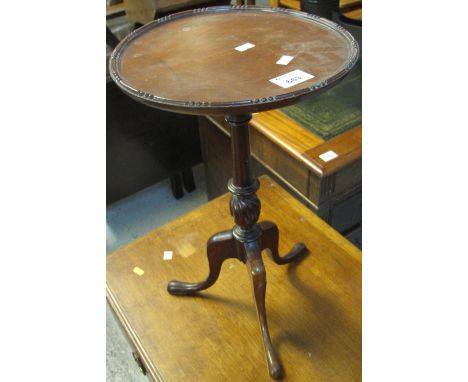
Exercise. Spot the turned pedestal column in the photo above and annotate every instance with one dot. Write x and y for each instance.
(227, 61)
(247, 239)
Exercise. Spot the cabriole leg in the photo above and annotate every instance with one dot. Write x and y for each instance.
(258, 275)
(220, 247)
(270, 241)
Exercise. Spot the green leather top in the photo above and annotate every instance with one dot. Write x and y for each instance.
(334, 111)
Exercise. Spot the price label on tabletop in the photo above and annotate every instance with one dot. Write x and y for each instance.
(292, 78)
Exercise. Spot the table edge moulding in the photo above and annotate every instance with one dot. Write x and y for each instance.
(245, 106)
(248, 238)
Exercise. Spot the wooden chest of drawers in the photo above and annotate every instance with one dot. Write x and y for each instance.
(291, 155)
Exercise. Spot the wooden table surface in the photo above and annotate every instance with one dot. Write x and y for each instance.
(306, 147)
(292, 153)
(223, 60)
(313, 306)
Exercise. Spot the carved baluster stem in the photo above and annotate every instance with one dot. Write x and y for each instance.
(245, 206)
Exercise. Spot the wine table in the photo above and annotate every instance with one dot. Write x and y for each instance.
(235, 61)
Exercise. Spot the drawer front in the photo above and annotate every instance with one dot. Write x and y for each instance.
(355, 237)
(321, 190)
(266, 159)
(346, 213)
(290, 169)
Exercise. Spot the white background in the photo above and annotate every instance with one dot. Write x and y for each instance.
(52, 202)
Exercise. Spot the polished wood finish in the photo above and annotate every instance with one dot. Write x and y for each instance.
(220, 247)
(247, 239)
(349, 8)
(114, 9)
(218, 162)
(285, 132)
(348, 146)
(159, 66)
(140, 11)
(145, 11)
(162, 66)
(314, 305)
(301, 144)
(290, 153)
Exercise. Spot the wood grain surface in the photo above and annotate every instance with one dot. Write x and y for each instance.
(313, 306)
(299, 143)
(188, 62)
(348, 147)
(285, 132)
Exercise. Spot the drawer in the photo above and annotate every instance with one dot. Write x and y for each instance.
(355, 236)
(346, 213)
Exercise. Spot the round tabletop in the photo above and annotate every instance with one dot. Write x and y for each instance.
(232, 60)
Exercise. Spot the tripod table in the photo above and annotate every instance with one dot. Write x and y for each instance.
(235, 61)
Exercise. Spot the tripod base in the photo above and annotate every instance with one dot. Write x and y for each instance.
(225, 245)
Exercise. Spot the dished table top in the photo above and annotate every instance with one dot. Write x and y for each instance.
(188, 62)
(313, 306)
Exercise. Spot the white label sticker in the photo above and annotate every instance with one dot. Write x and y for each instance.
(167, 255)
(292, 78)
(328, 156)
(244, 47)
(138, 271)
(284, 60)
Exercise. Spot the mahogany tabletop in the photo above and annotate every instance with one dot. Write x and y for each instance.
(232, 60)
